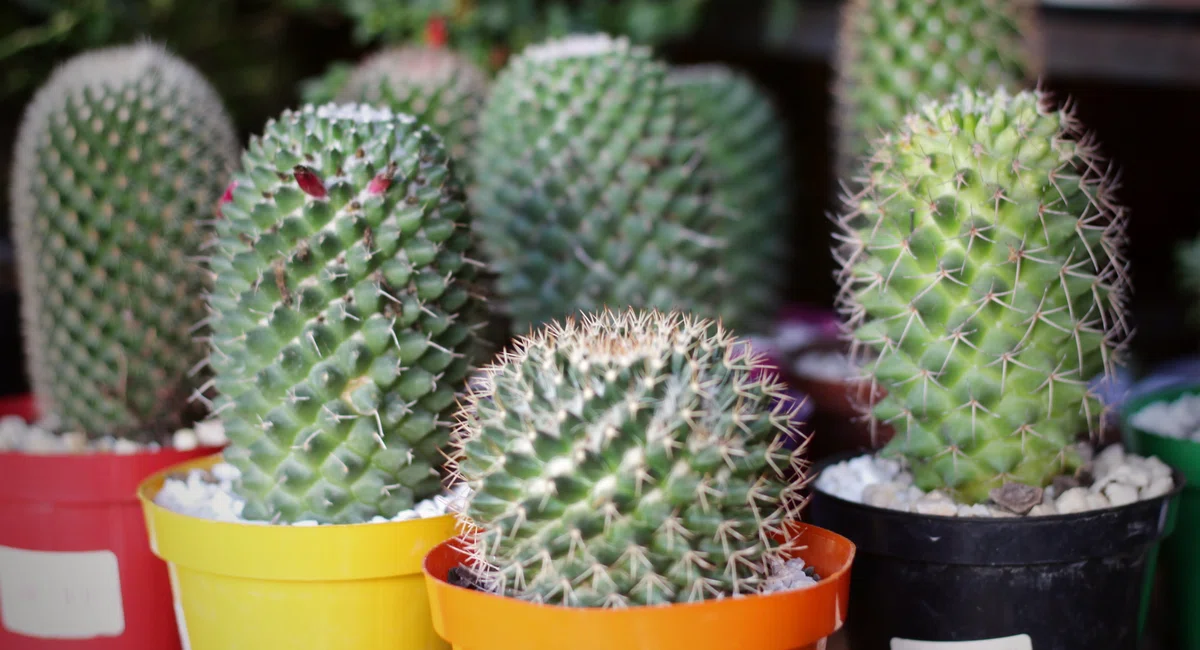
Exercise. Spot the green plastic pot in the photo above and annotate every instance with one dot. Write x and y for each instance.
(1181, 551)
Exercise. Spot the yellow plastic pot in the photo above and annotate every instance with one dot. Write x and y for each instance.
(241, 586)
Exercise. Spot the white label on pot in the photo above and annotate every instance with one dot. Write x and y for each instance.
(56, 595)
(1019, 642)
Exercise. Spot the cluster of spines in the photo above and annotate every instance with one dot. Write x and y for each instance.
(522, 461)
(1093, 277)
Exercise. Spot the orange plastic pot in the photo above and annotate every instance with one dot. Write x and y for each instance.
(793, 620)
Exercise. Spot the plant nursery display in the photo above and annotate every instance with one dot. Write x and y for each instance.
(343, 316)
(119, 159)
(1166, 423)
(596, 185)
(892, 53)
(627, 484)
(984, 286)
(436, 85)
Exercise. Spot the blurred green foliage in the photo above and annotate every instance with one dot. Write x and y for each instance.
(253, 52)
(481, 28)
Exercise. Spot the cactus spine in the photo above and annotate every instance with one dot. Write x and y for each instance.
(627, 458)
(120, 159)
(891, 53)
(984, 279)
(343, 314)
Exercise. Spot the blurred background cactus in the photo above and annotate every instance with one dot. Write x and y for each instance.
(1132, 69)
(120, 160)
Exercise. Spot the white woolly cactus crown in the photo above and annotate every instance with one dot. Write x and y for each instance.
(983, 275)
(628, 458)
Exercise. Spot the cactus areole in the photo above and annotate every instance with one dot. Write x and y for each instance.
(627, 458)
(984, 283)
(343, 314)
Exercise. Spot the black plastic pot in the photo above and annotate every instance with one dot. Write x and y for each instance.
(1068, 582)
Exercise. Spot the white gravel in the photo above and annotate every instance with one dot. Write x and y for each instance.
(209, 495)
(1177, 419)
(43, 437)
(787, 576)
(1119, 479)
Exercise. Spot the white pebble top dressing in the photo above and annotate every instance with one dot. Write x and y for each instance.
(1119, 479)
(17, 435)
(210, 495)
(1177, 419)
(575, 45)
(361, 113)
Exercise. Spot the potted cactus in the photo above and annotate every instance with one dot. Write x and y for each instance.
(119, 160)
(982, 271)
(628, 486)
(602, 180)
(344, 314)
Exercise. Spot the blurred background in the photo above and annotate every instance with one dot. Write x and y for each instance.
(1132, 67)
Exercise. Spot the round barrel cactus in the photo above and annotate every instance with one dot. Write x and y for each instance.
(593, 187)
(628, 458)
(985, 283)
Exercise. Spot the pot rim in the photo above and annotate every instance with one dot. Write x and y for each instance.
(777, 621)
(1179, 479)
(262, 551)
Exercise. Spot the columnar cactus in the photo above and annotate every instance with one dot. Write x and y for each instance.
(343, 314)
(984, 280)
(893, 52)
(593, 188)
(746, 140)
(120, 159)
(627, 458)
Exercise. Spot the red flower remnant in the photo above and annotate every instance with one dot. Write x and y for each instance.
(309, 182)
(226, 197)
(435, 31)
(379, 184)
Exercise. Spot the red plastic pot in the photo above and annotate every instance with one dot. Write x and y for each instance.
(76, 571)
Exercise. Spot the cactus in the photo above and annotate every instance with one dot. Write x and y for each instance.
(627, 458)
(120, 159)
(592, 186)
(748, 149)
(982, 268)
(343, 314)
(893, 52)
(437, 86)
